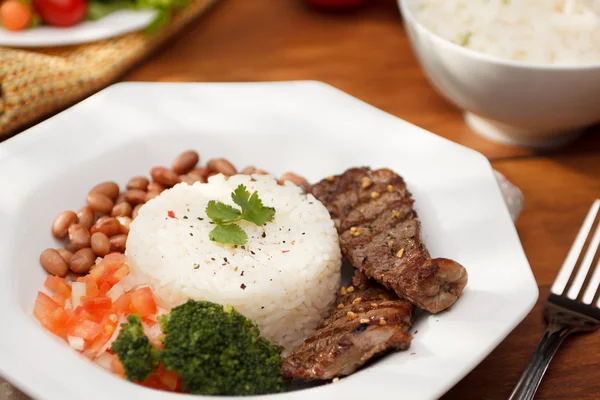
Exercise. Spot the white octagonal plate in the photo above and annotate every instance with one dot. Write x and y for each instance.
(307, 127)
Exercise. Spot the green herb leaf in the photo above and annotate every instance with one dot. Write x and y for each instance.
(222, 213)
(256, 212)
(252, 206)
(225, 215)
(231, 234)
(240, 196)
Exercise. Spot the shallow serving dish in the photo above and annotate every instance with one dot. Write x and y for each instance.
(306, 127)
(518, 103)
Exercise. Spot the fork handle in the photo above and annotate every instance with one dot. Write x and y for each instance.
(538, 363)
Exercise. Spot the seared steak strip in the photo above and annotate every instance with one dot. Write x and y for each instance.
(380, 235)
(368, 320)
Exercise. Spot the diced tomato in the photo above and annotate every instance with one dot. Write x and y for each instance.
(95, 304)
(85, 329)
(169, 379)
(142, 302)
(116, 367)
(154, 382)
(91, 288)
(59, 298)
(103, 288)
(81, 313)
(55, 321)
(118, 275)
(44, 305)
(149, 321)
(121, 306)
(97, 272)
(108, 326)
(58, 285)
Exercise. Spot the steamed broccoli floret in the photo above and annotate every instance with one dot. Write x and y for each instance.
(137, 354)
(216, 350)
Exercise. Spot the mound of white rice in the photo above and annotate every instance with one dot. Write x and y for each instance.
(284, 279)
(542, 31)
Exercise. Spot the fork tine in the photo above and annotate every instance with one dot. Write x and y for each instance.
(585, 266)
(592, 286)
(560, 283)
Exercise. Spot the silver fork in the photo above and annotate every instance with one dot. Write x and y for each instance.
(566, 311)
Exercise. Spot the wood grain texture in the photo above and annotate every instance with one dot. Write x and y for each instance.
(366, 53)
(558, 193)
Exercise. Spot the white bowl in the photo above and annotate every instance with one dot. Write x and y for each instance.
(512, 102)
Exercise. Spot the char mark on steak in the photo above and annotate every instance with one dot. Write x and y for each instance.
(367, 321)
(380, 234)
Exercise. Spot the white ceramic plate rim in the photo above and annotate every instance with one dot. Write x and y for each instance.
(115, 24)
(152, 107)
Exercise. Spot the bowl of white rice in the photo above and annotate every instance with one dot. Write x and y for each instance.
(525, 72)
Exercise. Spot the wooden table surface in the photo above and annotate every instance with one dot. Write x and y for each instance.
(367, 54)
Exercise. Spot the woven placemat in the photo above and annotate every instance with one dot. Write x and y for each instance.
(35, 83)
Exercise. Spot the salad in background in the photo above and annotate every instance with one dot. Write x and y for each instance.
(18, 15)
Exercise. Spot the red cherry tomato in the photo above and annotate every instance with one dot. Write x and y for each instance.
(61, 13)
(339, 4)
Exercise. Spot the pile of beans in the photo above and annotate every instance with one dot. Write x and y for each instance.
(101, 227)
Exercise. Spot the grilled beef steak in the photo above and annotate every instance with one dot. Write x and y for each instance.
(380, 235)
(368, 320)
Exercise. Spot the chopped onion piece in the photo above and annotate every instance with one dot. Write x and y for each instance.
(76, 343)
(129, 282)
(104, 360)
(77, 292)
(115, 292)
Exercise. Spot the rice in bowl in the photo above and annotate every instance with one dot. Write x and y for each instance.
(285, 278)
(565, 32)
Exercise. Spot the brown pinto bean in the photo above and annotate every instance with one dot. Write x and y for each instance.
(82, 261)
(138, 182)
(53, 262)
(79, 236)
(197, 177)
(120, 198)
(185, 162)
(86, 217)
(125, 222)
(99, 203)
(135, 197)
(200, 171)
(117, 243)
(164, 176)
(135, 211)
(70, 247)
(109, 189)
(253, 170)
(61, 224)
(191, 178)
(249, 170)
(295, 179)
(65, 254)
(100, 244)
(109, 226)
(155, 187)
(151, 195)
(222, 166)
(121, 210)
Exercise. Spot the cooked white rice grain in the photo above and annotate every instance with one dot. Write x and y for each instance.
(284, 279)
(541, 31)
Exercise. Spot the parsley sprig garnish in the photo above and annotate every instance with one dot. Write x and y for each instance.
(226, 216)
